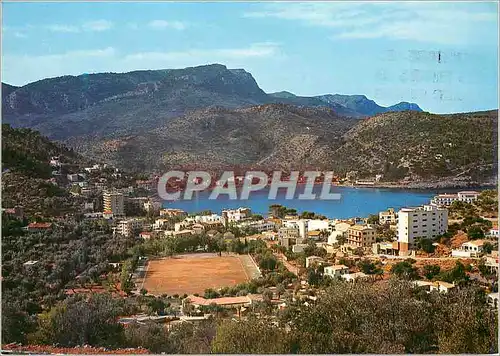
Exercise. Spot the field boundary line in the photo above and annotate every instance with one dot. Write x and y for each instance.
(256, 266)
(145, 275)
(244, 269)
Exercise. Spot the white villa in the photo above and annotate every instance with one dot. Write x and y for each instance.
(469, 249)
(336, 270)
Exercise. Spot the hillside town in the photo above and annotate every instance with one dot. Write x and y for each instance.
(182, 268)
(410, 233)
(147, 149)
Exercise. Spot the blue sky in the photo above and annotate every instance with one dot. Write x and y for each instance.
(386, 51)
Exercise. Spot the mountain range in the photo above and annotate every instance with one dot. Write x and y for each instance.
(113, 104)
(213, 117)
(411, 146)
(348, 105)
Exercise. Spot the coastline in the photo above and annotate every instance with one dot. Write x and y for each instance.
(425, 185)
(446, 184)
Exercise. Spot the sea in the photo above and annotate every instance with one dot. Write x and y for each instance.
(354, 201)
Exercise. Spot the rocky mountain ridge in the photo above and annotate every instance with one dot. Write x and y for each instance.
(114, 104)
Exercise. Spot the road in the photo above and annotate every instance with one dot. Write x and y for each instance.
(420, 258)
(288, 265)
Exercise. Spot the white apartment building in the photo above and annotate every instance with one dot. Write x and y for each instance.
(300, 224)
(232, 216)
(387, 217)
(493, 232)
(151, 206)
(203, 219)
(312, 260)
(468, 196)
(160, 224)
(427, 221)
(448, 199)
(114, 203)
(260, 225)
(351, 277)
(129, 227)
(316, 224)
(289, 236)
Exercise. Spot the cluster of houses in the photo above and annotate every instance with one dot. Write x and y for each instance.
(409, 224)
(79, 183)
(186, 225)
(340, 236)
(346, 235)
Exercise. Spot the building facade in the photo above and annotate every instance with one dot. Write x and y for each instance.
(361, 236)
(427, 221)
(448, 199)
(236, 215)
(387, 217)
(336, 271)
(469, 249)
(129, 227)
(300, 224)
(289, 236)
(114, 203)
(172, 212)
(260, 225)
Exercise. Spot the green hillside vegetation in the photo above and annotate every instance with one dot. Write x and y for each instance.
(111, 104)
(25, 164)
(412, 145)
(211, 116)
(27, 152)
(422, 145)
(347, 318)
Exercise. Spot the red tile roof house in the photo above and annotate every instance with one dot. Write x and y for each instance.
(17, 212)
(238, 304)
(33, 227)
(227, 302)
(146, 235)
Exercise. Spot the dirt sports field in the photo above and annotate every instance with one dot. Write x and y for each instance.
(193, 273)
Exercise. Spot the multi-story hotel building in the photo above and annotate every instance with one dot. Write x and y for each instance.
(114, 203)
(427, 221)
(448, 199)
(361, 236)
(129, 227)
